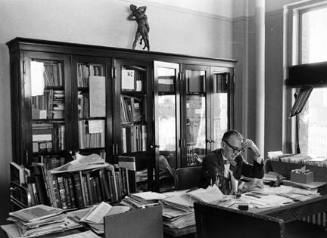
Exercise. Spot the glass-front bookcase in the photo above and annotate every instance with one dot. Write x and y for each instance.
(92, 105)
(46, 109)
(167, 122)
(132, 126)
(195, 114)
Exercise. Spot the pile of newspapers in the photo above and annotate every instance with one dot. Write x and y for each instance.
(40, 220)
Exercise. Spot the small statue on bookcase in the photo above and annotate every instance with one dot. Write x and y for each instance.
(142, 32)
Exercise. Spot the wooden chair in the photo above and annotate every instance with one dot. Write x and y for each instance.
(188, 177)
(213, 221)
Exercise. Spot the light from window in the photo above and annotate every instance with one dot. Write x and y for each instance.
(313, 119)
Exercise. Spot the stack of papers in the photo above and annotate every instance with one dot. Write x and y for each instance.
(41, 220)
(178, 210)
(181, 201)
(82, 162)
(95, 216)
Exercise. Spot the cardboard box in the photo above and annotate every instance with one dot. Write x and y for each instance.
(301, 176)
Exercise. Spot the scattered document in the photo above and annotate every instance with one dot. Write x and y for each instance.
(37, 76)
(97, 92)
(150, 195)
(97, 213)
(127, 81)
(82, 162)
(211, 194)
(96, 126)
(274, 154)
(95, 216)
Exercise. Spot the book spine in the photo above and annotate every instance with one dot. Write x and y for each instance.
(85, 189)
(89, 188)
(56, 190)
(104, 185)
(67, 192)
(62, 193)
(71, 191)
(78, 190)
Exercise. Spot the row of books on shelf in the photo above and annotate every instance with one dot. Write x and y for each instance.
(131, 109)
(83, 104)
(91, 133)
(134, 138)
(79, 183)
(85, 71)
(53, 74)
(47, 137)
(50, 105)
(84, 188)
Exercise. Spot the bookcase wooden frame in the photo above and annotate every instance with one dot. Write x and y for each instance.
(22, 49)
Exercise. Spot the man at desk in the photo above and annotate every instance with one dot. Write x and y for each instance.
(225, 166)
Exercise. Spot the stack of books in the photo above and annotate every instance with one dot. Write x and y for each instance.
(40, 220)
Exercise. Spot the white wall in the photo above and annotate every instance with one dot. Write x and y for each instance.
(103, 22)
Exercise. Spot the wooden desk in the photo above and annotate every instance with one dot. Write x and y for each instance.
(298, 210)
(217, 221)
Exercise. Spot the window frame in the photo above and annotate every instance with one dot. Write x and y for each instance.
(292, 55)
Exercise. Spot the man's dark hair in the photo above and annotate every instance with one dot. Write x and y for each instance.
(230, 133)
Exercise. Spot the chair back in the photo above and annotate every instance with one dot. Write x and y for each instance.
(188, 177)
(213, 221)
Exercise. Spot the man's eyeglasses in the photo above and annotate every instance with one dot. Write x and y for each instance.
(234, 148)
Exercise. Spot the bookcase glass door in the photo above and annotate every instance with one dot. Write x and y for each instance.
(167, 121)
(220, 110)
(195, 116)
(48, 104)
(91, 82)
(131, 119)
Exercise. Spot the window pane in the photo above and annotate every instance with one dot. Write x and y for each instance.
(312, 120)
(314, 36)
(220, 117)
(313, 124)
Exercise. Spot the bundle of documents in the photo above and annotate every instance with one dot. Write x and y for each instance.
(41, 220)
(143, 199)
(95, 216)
(181, 201)
(178, 210)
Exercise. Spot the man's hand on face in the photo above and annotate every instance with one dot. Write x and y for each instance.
(247, 143)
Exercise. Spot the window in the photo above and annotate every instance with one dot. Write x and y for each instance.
(312, 122)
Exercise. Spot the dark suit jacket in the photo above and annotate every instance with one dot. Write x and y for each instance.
(213, 167)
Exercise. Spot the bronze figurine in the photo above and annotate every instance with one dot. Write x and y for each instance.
(138, 15)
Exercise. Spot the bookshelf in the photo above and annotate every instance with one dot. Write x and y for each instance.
(91, 80)
(157, 108)
(132, 118)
